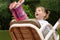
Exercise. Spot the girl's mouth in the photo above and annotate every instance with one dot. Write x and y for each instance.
(37, 14)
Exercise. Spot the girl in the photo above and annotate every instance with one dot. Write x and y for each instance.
(17, 10)
(41, 15)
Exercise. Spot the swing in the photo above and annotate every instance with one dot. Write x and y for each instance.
(28, 30)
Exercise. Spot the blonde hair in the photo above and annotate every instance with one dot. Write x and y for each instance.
(47, 15)
(46, 11)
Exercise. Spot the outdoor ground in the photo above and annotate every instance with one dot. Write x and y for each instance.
(4, 35)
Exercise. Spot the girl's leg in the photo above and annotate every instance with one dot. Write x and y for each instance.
(19, 13)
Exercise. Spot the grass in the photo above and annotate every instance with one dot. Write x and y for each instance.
(58, 32)
(4, 35)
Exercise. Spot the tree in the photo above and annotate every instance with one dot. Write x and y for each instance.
(29, 7)
(5, 15)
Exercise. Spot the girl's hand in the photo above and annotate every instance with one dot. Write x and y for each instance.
(12, 5)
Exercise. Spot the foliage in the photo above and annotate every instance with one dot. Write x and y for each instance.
(5, 15)
(28, 11)
(29, 7)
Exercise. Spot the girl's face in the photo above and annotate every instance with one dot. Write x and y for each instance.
(40, 13)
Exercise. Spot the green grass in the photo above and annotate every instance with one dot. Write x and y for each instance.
(58, 32)
(4, 35)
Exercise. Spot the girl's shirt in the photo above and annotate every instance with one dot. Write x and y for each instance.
(46, 29)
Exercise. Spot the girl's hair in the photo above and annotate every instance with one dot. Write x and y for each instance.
(47, 11)
(47, 15)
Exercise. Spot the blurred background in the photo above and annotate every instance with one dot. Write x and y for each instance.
(29, 7)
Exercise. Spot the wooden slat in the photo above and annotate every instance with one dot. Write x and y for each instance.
(24, 33)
